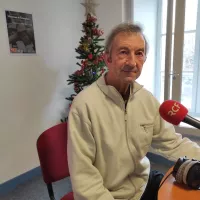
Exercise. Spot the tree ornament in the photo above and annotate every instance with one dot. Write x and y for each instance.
(90, 56)
(89, 7)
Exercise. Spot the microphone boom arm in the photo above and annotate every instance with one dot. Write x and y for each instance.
(192, 121)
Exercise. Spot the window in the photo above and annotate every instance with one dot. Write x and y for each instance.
(189, 68)
(152, 14)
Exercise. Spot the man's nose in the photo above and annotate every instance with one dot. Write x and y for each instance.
(132, 58)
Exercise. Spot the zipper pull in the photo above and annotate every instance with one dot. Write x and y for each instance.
(125, 115)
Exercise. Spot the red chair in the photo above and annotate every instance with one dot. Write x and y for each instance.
(52, 152)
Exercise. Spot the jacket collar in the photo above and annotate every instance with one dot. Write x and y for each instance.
(112, 92)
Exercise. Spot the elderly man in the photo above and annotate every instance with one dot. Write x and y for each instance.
(113, 123)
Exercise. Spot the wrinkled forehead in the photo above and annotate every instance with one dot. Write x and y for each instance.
(132, 40)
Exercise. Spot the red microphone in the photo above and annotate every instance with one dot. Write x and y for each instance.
(175, 113)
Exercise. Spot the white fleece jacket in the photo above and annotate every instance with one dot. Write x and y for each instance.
(107, 144)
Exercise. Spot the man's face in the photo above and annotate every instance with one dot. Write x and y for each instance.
(127, 56)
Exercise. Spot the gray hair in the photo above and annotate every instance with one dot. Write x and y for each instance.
(126, 27)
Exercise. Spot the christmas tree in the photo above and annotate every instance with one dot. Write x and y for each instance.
(90, 55)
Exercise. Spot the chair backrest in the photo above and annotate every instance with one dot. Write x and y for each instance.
(52, 152)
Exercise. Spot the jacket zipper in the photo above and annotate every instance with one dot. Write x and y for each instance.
(125, 116)
(126, 129)
(126, 121)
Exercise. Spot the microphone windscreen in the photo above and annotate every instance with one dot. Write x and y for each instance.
(173, 112)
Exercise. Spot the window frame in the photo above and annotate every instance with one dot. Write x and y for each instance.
(195, 107)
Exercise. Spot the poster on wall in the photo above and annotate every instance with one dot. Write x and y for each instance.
(20, 32)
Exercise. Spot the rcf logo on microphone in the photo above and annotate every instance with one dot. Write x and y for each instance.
(175, 108)
(173, 111)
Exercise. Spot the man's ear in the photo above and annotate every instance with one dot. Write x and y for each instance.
(107, 58)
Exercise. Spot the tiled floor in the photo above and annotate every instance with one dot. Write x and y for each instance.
(36, 189)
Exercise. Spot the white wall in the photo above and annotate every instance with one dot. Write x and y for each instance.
(112, 12)
(33, 88)
(109, 14)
